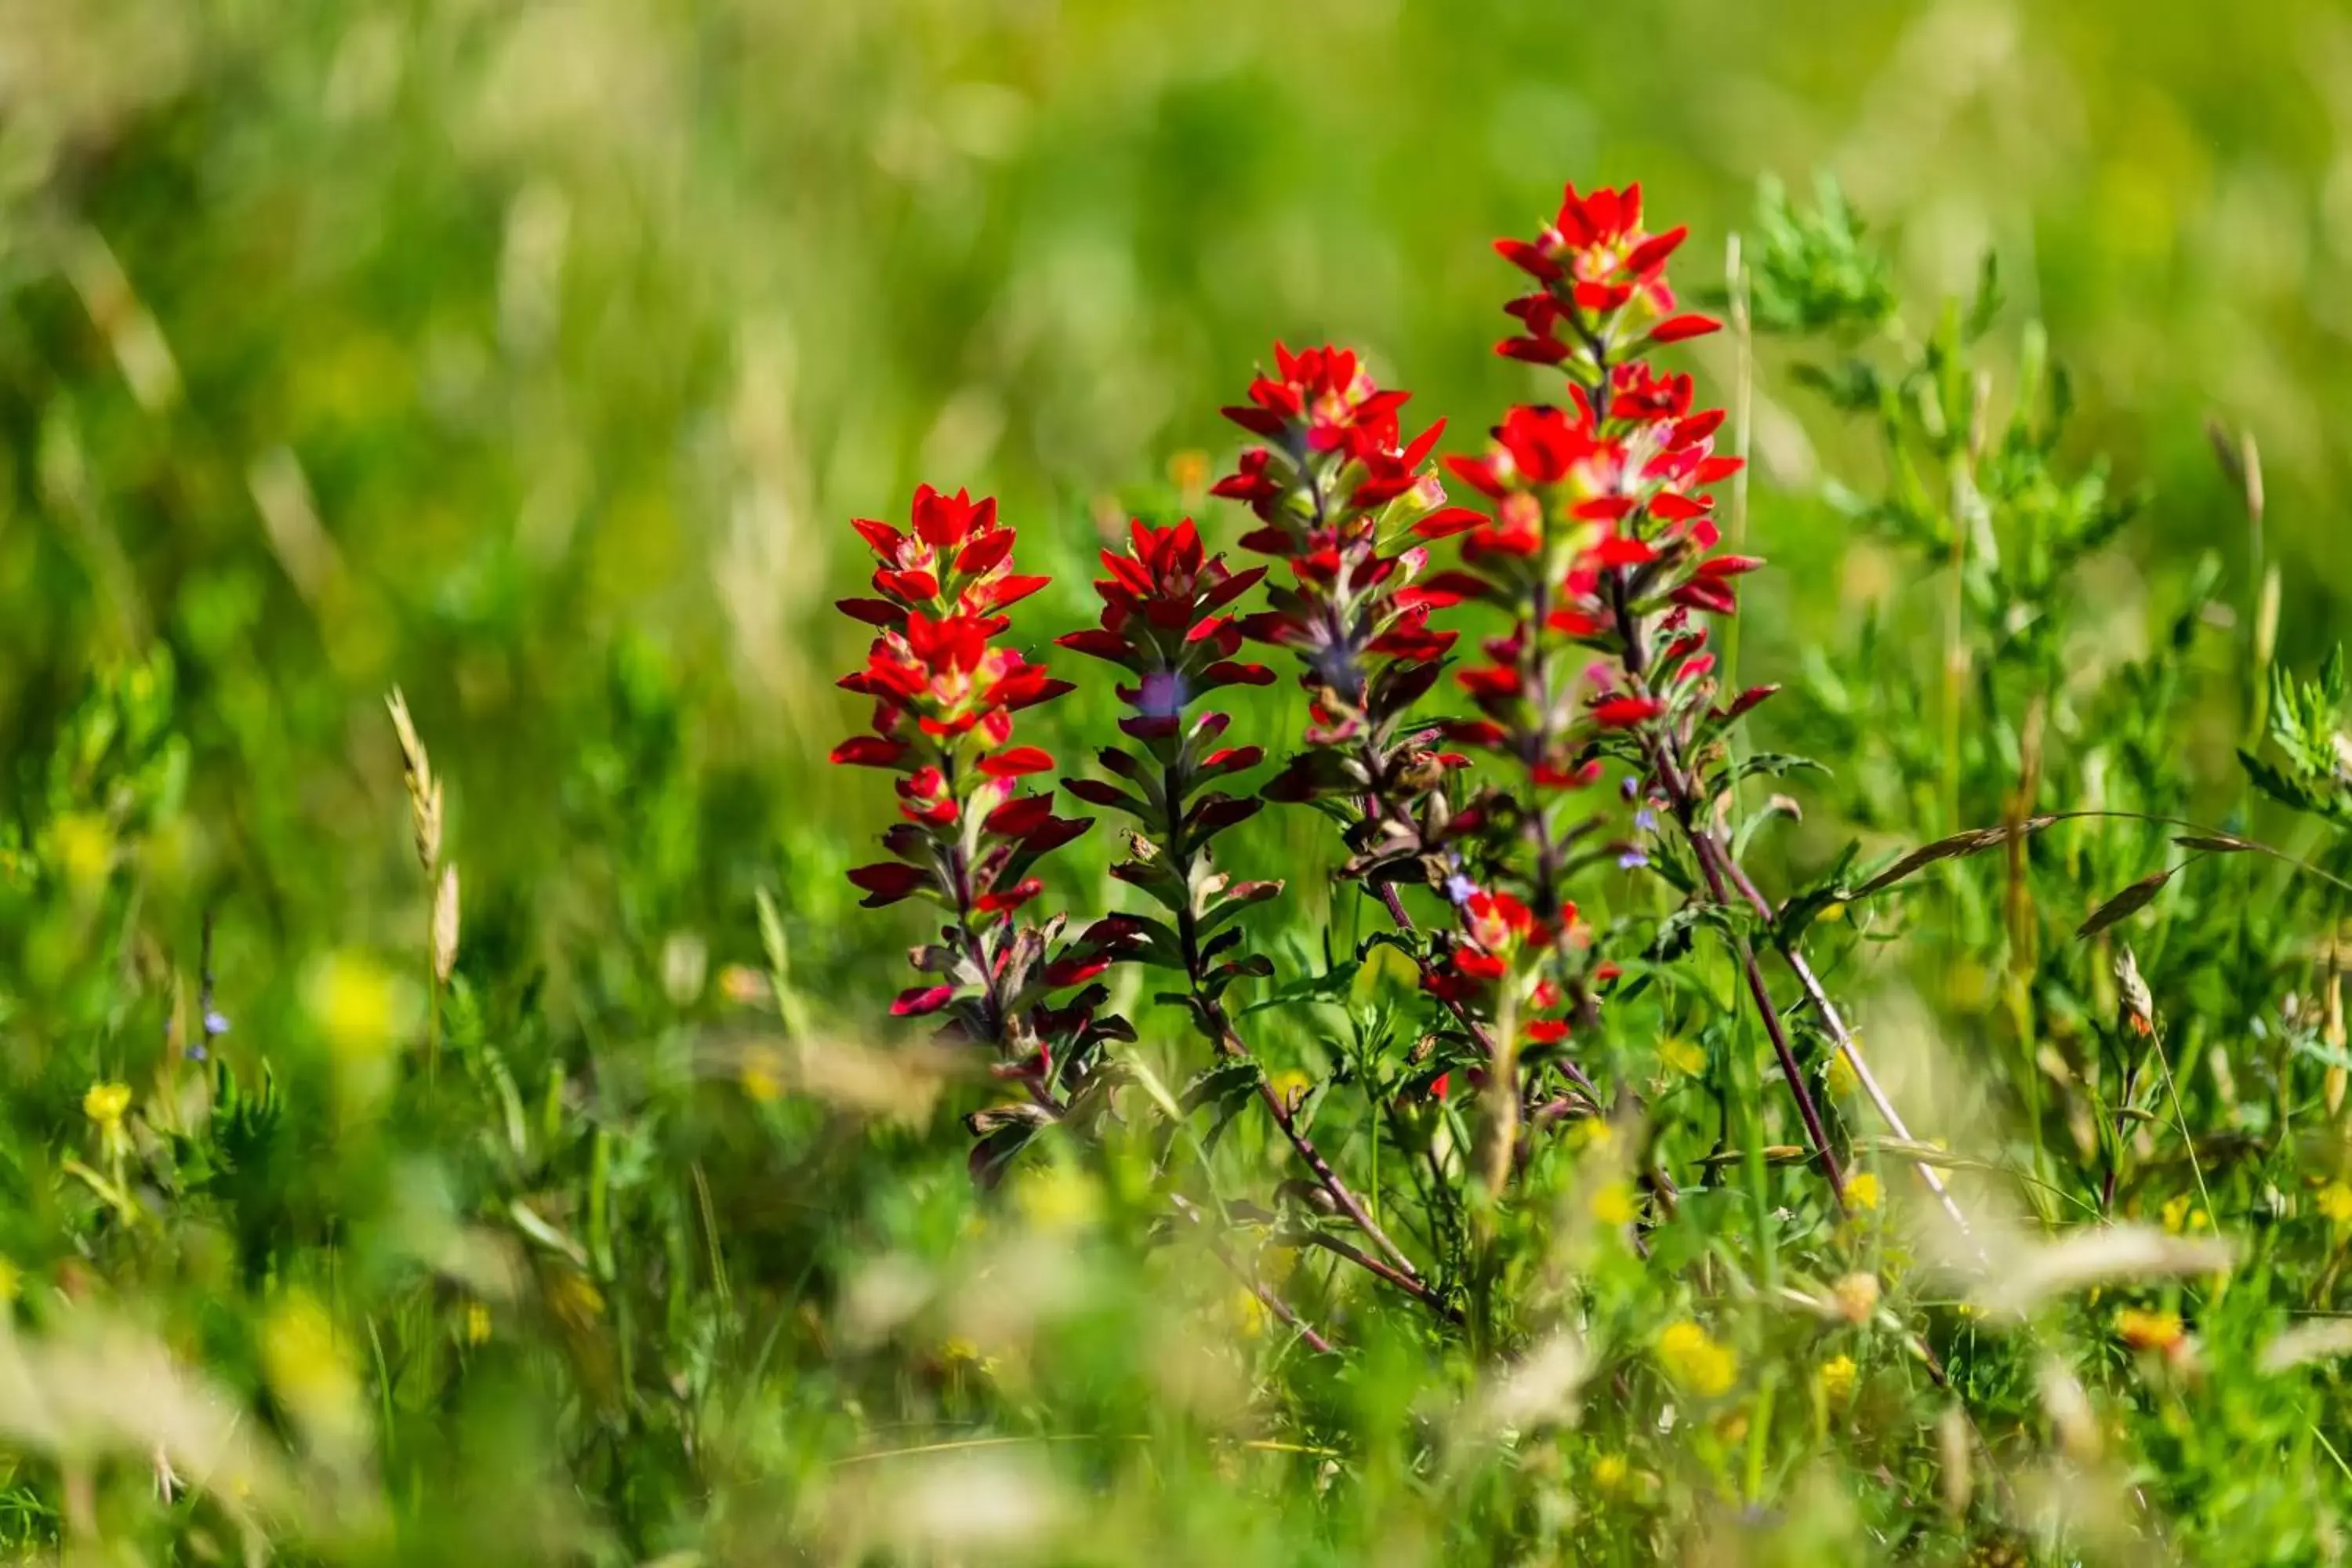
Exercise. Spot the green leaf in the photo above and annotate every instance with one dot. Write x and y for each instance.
(2283, 789)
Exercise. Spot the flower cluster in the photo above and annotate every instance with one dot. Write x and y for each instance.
(1599, 521)
(1498, 949)
(1164, 623)
(1334, 493)
(945, 693)
(1600, 280)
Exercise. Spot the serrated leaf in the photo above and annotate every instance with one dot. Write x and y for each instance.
(2283, 789)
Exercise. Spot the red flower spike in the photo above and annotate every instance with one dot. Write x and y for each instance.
(944, 694)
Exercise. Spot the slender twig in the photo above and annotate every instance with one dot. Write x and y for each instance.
(1682, 802)
(1840, 1035)
(1329, 1179)
(1264, 1293)
(1374, 1267)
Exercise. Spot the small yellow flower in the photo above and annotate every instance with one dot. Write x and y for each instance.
(1837, 1378)
(1695, 1360)
(2336, 1202)
(2180, 1216)
(957, 1348)
(303, 1358)
(573, 1297)
(1681, 1058)
(84, 849)
(1592, 1132)
(1057, 1198)
(2146, 1331)
(478, 1323)
(1249, 1313)
(1609, 1472)
(1189, 471)
(1862, 1192)
(1839, 1076)
(1290, 1086)
(12, 1281)
(1613, 1203)
(1831, 912)
(105, 1104)
(762, 1074)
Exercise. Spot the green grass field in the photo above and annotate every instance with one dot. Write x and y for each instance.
(451, 1102)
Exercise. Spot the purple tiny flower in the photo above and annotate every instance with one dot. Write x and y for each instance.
(1631, 859)
(1645, 820)
(1458, 888)
(215, 1024)
(1163, 694)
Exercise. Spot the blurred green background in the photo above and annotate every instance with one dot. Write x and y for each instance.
(534, 356)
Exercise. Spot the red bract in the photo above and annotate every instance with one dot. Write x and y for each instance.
(954, 560)
(945, 693)
(1325, 398)
(1337, 475)
(1601, 282)
(1501, 942)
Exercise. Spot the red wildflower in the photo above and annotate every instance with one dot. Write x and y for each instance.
(1592, 262)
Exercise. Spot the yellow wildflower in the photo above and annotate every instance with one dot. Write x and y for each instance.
(2180, 1216)
(105, 1104)
(1862, 1191)
(1837, 1378)
(1290, 1086)
(2336, 1202)
(1057, 1198)
(1839, 1076)
(84, 849)
(1249, 1313)
(762, 1074)
(2145, 1331)
(1613, 1204)
(303, 1359)
(12, 1281)
(1695, 1360)
(1592, 1132)
(1832, 912)
(1609, 1472)
(478, 1323)
(1681, 1058)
